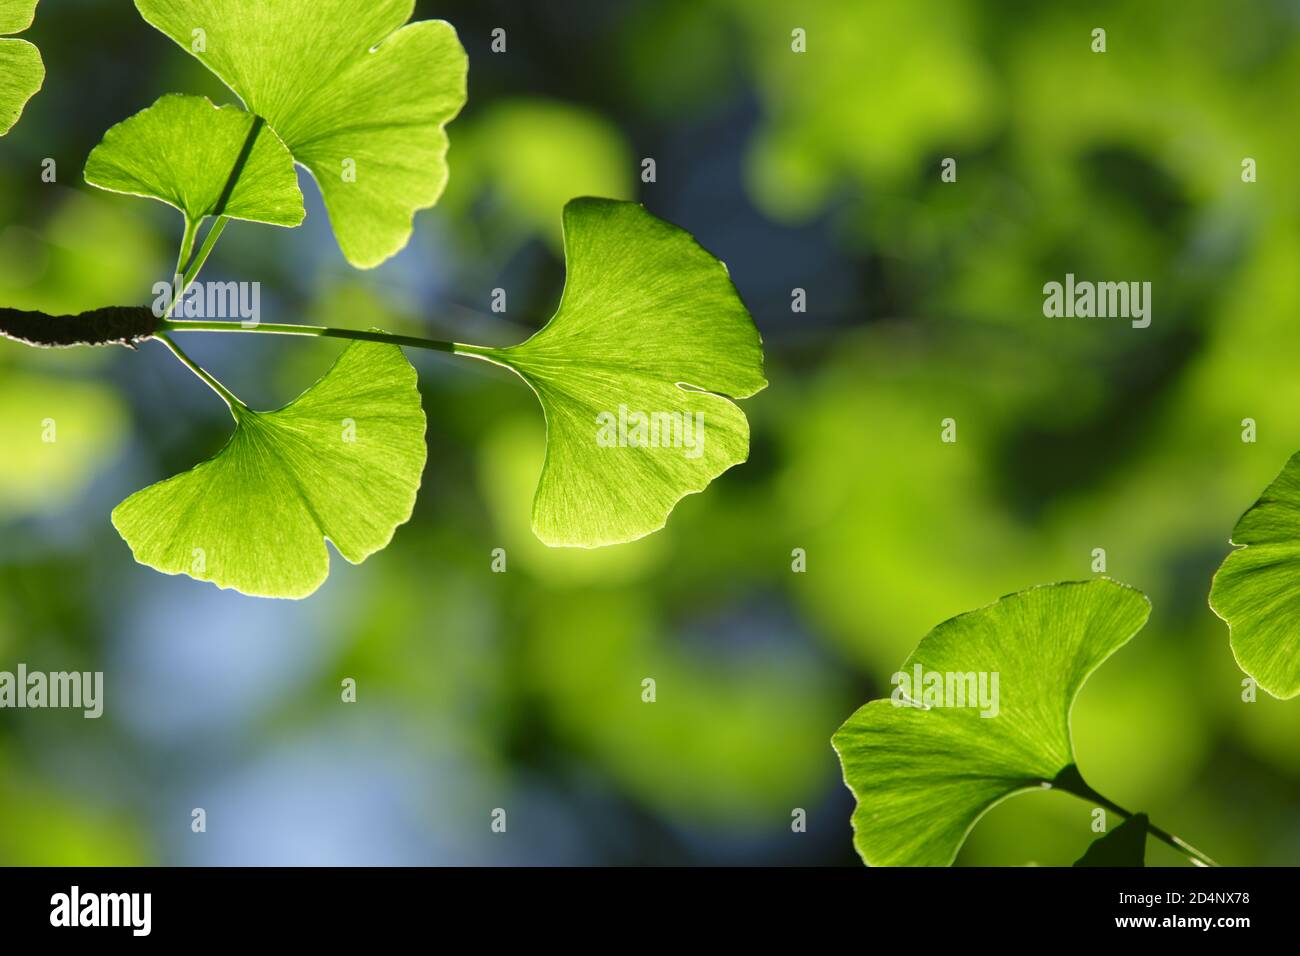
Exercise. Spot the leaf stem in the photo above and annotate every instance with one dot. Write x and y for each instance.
(186, 270)
(1071, 781)
(237, 408)
(167, 324)
(320, 331)
(205, 250)
(190, 270)
(187, 247)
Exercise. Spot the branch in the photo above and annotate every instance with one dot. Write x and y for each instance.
(115, 325)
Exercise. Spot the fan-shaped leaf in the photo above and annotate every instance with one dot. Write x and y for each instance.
(342, 462)
(923, 775)
(636, 374)
(183, 150)
(21, 70)
(359, 99)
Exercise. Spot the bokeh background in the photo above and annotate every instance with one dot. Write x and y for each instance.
(522, 690)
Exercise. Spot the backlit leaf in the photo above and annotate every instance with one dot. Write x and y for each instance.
(183, 151)
(1257, 588)
(923, 776)
(342, 462)
(21, 70)
(636, 374)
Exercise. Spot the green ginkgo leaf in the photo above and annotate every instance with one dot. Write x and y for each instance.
(923, 775)
(636, 373)
(1257, 588)
(1126, 845)
(21, 70)
(359, 99)
(342, 462)
(204, 160)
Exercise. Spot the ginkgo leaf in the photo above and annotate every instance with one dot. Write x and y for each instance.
(1257, 588)
(16, 15)
(359, 99)
(204, 160)
(1126, 845)
(636, 373)
(21, 70)
(342, 462)
(925, 765)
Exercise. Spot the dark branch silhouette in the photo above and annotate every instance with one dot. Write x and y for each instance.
(115, 325)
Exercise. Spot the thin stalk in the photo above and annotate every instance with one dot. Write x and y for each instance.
(188, 264)
(1071, 781)
(237, 408)
(168, 325)
(190, 270)
(1178, 843)
(182, 261)
(209, 242)
(320, 331)
(187, 248)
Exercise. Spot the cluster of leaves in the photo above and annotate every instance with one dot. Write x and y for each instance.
(648, 321)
